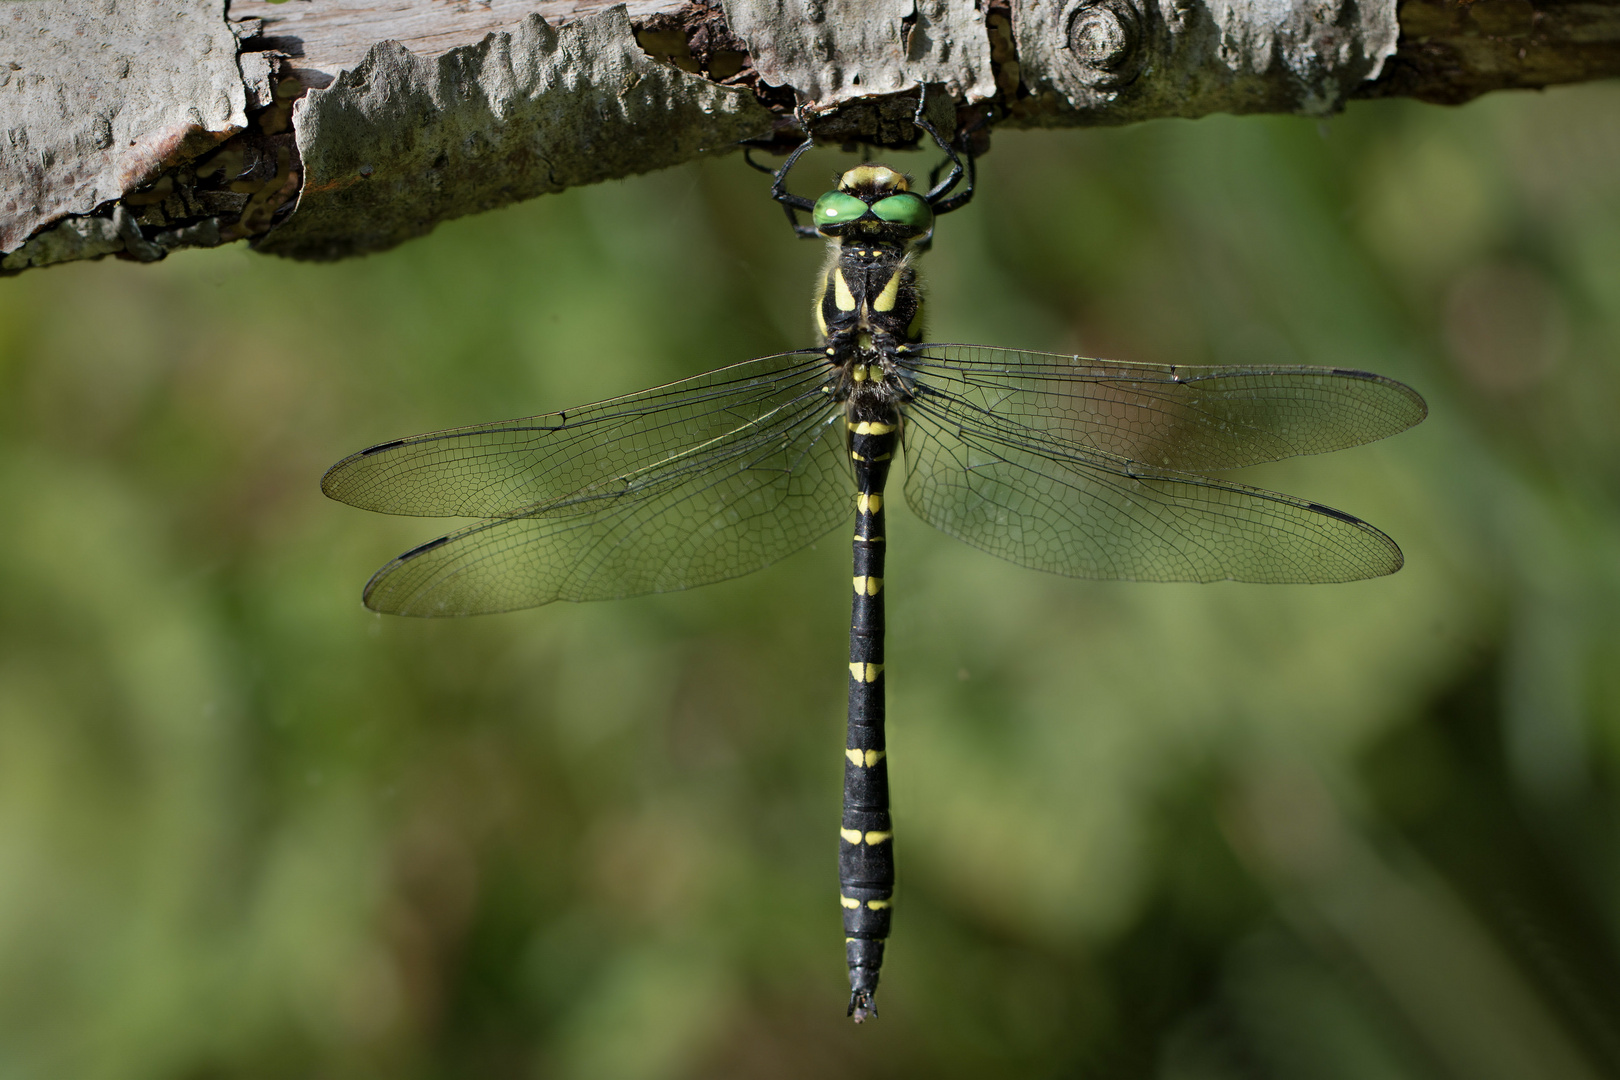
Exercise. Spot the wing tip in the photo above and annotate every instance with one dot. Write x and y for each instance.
(379, 593)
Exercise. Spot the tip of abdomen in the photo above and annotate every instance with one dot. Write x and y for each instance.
(865, 958)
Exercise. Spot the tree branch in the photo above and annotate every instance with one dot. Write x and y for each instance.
(327, 128)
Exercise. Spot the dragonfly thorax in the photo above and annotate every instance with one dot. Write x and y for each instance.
(868, 381)
(868, 304)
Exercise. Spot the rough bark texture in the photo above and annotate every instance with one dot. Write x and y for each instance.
(1452, 52)
(97, 99)
(401, 142)
(352, 125)
(1114, 61)
(831, 51)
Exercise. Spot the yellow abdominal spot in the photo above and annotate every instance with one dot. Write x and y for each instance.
(877, 905)
(853, 836)
(868, 504)
(867, 673)
(848, 901)
(874, 838)
(872, 427)
(868, 758)
(868, 586)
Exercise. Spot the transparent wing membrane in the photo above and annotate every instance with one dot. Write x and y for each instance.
(1043, 501)
(1080, 467)
(511, 467)
(1182, 418)
(730, 505)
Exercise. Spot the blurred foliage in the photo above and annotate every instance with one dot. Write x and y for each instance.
(1369, 831)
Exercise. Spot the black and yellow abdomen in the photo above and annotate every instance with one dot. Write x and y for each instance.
(868, 309)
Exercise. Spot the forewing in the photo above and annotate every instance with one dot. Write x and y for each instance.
(732, 505)
(1038, 501)
(518, 466)
(1191, 419)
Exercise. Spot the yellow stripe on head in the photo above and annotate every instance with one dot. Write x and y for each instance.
(880, 177)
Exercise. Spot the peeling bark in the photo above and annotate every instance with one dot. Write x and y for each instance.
(100, 98)
(352, 125)
(401, 142)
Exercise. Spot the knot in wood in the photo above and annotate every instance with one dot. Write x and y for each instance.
(1105, 42)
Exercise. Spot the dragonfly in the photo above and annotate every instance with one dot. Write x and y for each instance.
(1082, 467)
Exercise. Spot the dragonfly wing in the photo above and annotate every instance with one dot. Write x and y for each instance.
(517, 466)
(1037, 500)
(1190, 419)
(728, 508)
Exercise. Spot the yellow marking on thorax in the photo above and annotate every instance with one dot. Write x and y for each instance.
(841, 294)
(867, 673)
(867, 758)
(868, 504)
(859, 372)
(868, 586)
(873, 427)
(890, 294)
(915, 329)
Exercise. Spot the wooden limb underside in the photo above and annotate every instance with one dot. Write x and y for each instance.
(328, 128)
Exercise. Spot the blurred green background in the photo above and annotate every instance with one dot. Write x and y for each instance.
(248, 829)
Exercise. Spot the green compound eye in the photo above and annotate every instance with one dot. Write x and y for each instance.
(836, 208)
(905, 209)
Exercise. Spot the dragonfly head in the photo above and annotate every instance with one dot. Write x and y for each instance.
(874, 202)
